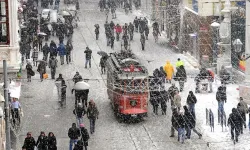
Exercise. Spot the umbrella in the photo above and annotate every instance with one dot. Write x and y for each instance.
(42, 33)
(65, 13)
(102, 53)
(81, 86)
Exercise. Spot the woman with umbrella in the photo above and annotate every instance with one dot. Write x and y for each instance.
(81, 92)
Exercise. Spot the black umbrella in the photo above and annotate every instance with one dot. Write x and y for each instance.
(102, 53)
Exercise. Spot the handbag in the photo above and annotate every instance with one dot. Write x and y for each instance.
(31, 72)
(45, 76)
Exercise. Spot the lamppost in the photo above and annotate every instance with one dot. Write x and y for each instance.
(215, 26)
(224, 58)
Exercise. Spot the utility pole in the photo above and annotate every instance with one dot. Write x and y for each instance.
(6, 106)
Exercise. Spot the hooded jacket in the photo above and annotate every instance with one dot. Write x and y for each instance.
(61, 49)
(169, 69)
(234, 119)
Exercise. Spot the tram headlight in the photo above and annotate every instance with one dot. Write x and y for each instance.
(133, 103)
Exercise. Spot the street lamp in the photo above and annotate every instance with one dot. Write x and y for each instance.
(215, 26)
(237, 45)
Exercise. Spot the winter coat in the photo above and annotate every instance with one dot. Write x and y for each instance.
(102, 62)
(146, 30)
(84, 133)
(154, 99)
(169, 69)
(41, 67)
(46, 50)
(97, 31)
(29, 143)
(136, 22)
(92, 111)
(74, 133)
(79, 112)
(191, 99)
(181, 121)
(29, 69)
(221, 94)
(177, 100)
(234, 119)
(42, 142)
(53, 49)
(34, 55)
(189, 119)
(181, 74)
(224, 75)
(61, 49)
(179, 63)
(53, 63)
(118, 29)
(88, 53)
(69, 48)
(52, 143)
(77, 78)
(174, 119)
(131, 28)
(243, 106)
(27, 48)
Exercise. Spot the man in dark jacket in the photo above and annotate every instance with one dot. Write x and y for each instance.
(235, 122)
(190, 123)
(174, 121)
(243, 108)
(77, 77)
(62, 52)
(181, 76)
(88, 54)
(53, 49)
(146, 31)
(92, 113)
(69, 48)
(29, 142)
(79, 112)
(221, 97)
(191, 101)
(181, 127)
(142, 40)
(46, 51)
(53, 65)
(42, 141)
(136, 23)
(27, 50)
(73, 134)
(224, 75)
(85, 135)
(154, 101)
(131, 31)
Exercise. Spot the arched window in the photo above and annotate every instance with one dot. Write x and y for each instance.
(4, 22)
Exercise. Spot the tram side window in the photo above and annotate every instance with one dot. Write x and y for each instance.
(134, 86)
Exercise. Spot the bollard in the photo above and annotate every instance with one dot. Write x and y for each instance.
(211, 120)
(207, 116)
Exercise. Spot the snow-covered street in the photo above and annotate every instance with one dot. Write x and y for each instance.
(42, 113)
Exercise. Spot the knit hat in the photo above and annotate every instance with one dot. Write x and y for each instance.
(82, 125)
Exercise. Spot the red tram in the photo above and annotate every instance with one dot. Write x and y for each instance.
(127, 82)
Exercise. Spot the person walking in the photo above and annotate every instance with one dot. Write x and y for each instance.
(243, 110)
(92, 114)
(131, 31)
(181, 127)
(41, 69)
(112, 41)
(118, 31)
(27, 50)
(146, 31)
(169, 69)
(73, 133)
(174, 121)
(79, 112)
(163, 102)
(88, 54)
(53, 49)
(97, 32)
(69, 48)
(46, 51)
(235, 122)
(62, 52)
(190, 123)
(171, 92)
(63, 93)
(52, 141)
(29, 142)
(103, 65)
(221, 97)
(35, 56)
(42, 141)
(136, 23)
(85, 135)
(191, 101)
(30, 72)
(181, 76)
(177, 100)
(53, 65)
(143, 40)
(77, 77)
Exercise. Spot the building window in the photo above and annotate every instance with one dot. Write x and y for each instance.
(4, 23)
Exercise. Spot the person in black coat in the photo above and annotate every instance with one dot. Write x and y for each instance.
(163, 101)
(154, 101)
(29, 142)
(85, 135)
(73, 134)
(190, 123)
(42, 142)
(46, 50)
(52, 141)
(181, 127)
(181, 76)
(79, 112)
(171, 93)
(191, 101)
(235, 122)
(221, 97)
(174, 121)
